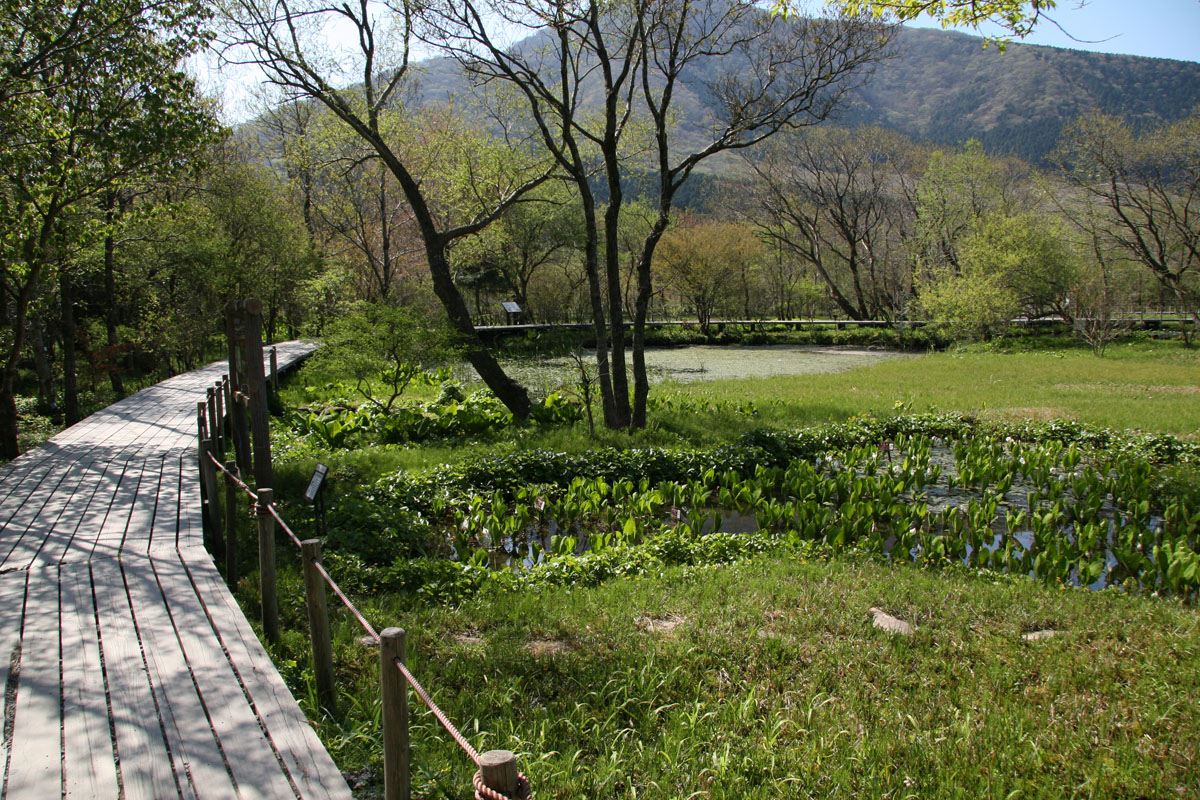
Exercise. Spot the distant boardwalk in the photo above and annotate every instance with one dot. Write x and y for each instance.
(129, 669)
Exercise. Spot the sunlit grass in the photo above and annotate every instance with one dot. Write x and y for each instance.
(766, 680)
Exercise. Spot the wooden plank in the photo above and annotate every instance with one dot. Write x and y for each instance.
(58, 511)
(12, 615)
(256, 765)
(83, 541)
(305, 759)
(191, 508)
(164, 530)
(143, 760)
(108, 540)
(23, 507)
(89, 763)
(145, 502)
(55, 543)
(35, 768)
(201, 764)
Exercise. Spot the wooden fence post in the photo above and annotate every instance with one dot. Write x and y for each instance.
(318, 623)
(227, 422)
(260, 414)
(266, 565)
(208, 476)
(219, 435)
(394, 689)
(241, 430)
(498, 768)
(214, 430)
(274, 371)
(231, 547)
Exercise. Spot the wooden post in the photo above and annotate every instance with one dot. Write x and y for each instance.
(201, 424)
(219, 434)
(208, 476)
(498, 768)
(260, 415)
(214, 431)
(227, 422)
(394, 690)
(318, 624)
(274, 371)
(241, 432)
(231, 544)
(266, 566)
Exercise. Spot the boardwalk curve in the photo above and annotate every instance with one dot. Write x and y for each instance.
(129, 670)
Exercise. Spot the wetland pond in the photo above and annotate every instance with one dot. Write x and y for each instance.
(711, 363)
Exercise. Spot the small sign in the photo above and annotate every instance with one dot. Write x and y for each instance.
(511, 307)
(317, 482)
(540, 504)
(676, 514)
(886, 447)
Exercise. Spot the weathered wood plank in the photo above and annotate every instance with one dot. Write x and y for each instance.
(164, 530)
(143, 760)
(201, 766)
(12, 615)
(89, 763)
(309, 766)
(23, 509)
(112, 533)
(256, 766)
(82, 542)
(141, 516)
(56, 515)
(36, 759)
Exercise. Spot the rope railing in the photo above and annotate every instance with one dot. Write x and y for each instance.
(496, 777)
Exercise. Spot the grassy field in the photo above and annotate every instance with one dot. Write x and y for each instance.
(1150, 386)
(764, 678)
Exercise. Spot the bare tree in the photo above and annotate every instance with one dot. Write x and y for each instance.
(287, 40)
(763, 73)
(1149, 187)
(834, 198)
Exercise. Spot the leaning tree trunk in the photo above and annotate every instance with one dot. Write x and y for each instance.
(511, 393)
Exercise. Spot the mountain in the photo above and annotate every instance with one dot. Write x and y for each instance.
(944, 87)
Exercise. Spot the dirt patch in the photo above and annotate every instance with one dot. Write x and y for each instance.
(1130, 389)
(659, 623)
(469, 639)
(540, 648)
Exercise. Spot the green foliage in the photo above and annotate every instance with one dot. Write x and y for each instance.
(387, 346)
(968, 307)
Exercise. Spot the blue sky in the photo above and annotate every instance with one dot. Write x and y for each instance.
(1157, 28)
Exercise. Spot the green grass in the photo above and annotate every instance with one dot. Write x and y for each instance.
(773, 684)
(1151, 386)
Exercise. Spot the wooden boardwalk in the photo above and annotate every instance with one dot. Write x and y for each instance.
(129, 670)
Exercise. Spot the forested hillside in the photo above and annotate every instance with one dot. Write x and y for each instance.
(945, 88)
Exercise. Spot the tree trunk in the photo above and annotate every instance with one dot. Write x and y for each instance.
(41, 363)
(596, 299)
(621, 417)
(511, 393)
(8, 418)
(70, 375)
(110, 295)
(641, 382)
